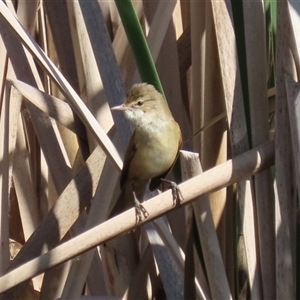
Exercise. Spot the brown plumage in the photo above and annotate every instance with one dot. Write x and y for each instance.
(153, 147)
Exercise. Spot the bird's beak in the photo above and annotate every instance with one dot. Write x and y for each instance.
(119, 107)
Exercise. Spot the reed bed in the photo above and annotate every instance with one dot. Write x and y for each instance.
(229, 71)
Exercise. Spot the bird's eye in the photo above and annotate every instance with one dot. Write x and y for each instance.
(140, 103)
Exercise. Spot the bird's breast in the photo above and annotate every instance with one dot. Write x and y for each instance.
(156, 150)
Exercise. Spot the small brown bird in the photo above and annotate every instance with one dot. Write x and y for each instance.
(153, 147)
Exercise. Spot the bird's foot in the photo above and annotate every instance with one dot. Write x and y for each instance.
(140, 210)
(176, 193)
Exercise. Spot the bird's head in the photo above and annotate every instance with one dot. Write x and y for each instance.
(144, 104)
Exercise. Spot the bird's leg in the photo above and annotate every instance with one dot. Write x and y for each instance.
(176, 193)
(139, 209)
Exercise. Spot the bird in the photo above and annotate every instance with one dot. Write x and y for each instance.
(153, 147)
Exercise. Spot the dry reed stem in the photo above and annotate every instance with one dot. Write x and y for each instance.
(223, 175)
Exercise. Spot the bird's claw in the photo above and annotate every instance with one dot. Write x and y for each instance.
(176, 193)
(140, 210)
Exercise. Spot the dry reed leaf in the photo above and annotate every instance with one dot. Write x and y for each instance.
(22, 176)
(3, 68)
(89, 76)
(198, 45)
(293, 98)
(294, 11)
(285, 203)
(213, 140)
(52, 106)
(95, 281)
(120, 266)
(58, 51)
(27, 15)
(97, 213)
(185, 7)
(257, 87)
(122, 50)
(214, 264)
(74, 100)
(165, 55)
(167, 254)
(194, 270)
(114, 16)
(237, 132)
(256, 70)
(107, 65)
(184, 52)
(170, 275)
(170, 243)
(10, 111)
(168, 70)
(64, 213)
(145, 282)
(77, 275)
(120, 258)
(195, 278)
(54, 280)
(57, 42)
(44, 128)
(160, 22)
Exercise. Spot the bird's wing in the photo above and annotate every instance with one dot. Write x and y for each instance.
(156, 181)
(130, 151)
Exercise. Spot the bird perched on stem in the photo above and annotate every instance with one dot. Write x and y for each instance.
(153, 147)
